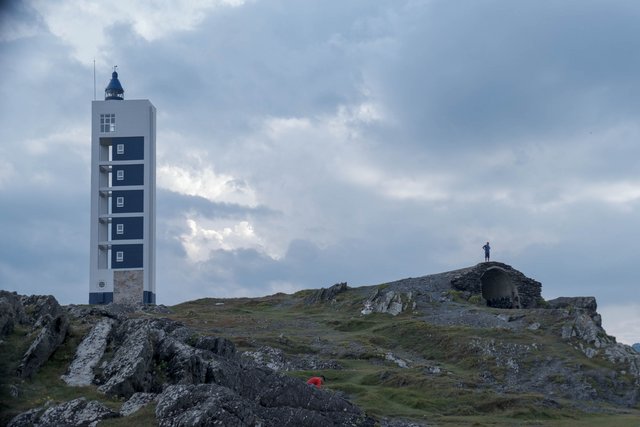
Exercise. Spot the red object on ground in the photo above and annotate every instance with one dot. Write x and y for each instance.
(316, 381)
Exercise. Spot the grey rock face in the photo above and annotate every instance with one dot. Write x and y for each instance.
(215, 405)
(11, 312)
(47, 319)
(203, 387)
(274, 358)
(52, 334)
(217, 345)
(636, 347)
(580, 326)
(88, 354)
(129, 370)
(204, 405)
(398, 361)
(42, 305)
(582, 322)
(26, 419)
(388, 301)
(585, 303)
(624, 355)
(136, 402)
(324, 295)
(77, 412)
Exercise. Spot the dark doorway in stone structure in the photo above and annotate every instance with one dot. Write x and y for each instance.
(498, 289)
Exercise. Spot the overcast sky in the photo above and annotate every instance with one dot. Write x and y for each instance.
(304, 143)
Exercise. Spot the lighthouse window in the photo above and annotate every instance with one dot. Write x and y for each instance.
(119, 256)
(120, 202)
(119, 228)
(107, 123)
(120, 175)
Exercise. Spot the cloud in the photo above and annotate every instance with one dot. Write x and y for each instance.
(622, 321)
(485, 73)
(306, 143)
(149, 19)
(206, 183)
(201, 240)
(19, 20)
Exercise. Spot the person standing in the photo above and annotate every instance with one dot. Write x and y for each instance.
(487, 252)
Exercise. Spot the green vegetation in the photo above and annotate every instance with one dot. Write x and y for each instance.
(382, 388)
(45, 387)
(444, 383)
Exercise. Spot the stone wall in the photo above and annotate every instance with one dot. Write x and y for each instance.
(128, 286)
(526, 292)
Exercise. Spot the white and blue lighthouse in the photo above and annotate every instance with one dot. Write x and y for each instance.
(123, 199)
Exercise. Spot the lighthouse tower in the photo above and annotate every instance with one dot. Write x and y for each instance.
(123, 198)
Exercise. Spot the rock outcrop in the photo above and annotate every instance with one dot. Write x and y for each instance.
(274, 358)
(581, 326)
(324, 294)
(133, 355)
(136, 402)
(385, 300)
(48, 322)
(192, 380)
(11, 312)
(88, 354)
(77, 412)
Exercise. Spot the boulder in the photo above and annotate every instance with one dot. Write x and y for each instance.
(219, 346)
(41, 306)
(214, 404)
(185, 364)
(88, 354)
(129, 370)
(11, 312)
(51, 336)
(204, 405)
(584, 303)
(327, 295)
(137, 402)
(388, 301)
(276, 359)
(77, 412)
(208, 383)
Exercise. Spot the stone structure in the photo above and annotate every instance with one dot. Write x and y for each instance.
(127, 286)
(500, 285)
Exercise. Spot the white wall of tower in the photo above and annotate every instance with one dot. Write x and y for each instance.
(133, 118)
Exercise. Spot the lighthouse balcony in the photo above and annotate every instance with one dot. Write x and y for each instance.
(106, 164)
(107, 244)
(107, 218)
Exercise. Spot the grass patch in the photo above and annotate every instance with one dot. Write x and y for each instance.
(351, 325)
(46, 385)
(145, 417)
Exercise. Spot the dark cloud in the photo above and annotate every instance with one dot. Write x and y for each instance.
(362, 141)
(486, 72)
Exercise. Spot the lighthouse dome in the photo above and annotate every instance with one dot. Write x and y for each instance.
(114, 90)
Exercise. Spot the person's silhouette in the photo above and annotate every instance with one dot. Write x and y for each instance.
(487, 252)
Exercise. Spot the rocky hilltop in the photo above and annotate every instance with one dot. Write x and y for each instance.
(473, 345)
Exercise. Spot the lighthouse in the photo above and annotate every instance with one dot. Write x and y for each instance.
(123, 199)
